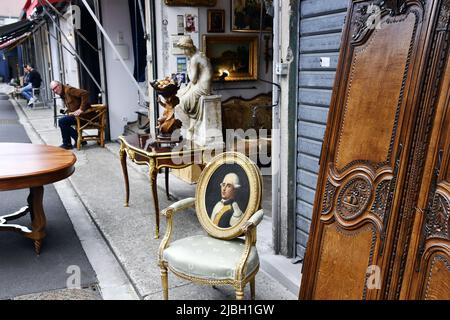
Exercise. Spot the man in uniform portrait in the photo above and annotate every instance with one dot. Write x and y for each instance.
(226, 213)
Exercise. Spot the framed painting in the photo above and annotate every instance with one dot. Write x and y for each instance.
(233, 58)
(190, 3)
(246, 16)
(228, 195)
(216, 21)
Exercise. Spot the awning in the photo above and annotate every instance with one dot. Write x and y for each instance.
(14, 30)
(11, 44)
(30, 5)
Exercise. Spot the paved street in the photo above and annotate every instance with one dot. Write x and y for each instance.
(118, 241)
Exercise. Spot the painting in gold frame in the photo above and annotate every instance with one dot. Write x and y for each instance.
(191, 3)
(216, 21)
(233, 58)
(246, 16)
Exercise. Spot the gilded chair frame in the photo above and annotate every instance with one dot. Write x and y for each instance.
(246, 228)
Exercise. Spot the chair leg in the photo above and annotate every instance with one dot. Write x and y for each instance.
(79, 140)
(240, 294)
(165, 283)
(102, 138)
(253, 289)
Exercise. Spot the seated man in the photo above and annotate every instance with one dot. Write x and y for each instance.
(34, 79)
(76, 102)
(27, 90)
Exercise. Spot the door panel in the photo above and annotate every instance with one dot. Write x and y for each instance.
(437, 280)
(375, 93)
(432, 272)
(364, 161)
(345, 254)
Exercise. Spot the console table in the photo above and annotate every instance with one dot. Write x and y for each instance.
(181, 156)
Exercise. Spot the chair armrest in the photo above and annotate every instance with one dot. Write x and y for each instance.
(253, 222)
(168, 213)
(179, 206)
(249, 229)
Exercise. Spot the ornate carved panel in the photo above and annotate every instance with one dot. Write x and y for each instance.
(437, 225)
(444, 16)
(354, 198)
(381, 199)
(368, 15)
(328, 197)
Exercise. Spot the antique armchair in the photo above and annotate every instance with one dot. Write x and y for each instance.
(227, 254)
(92, 119)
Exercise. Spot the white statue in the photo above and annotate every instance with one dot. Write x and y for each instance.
(200, 74)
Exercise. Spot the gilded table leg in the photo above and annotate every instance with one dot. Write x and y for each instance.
(153, 175)
(123, 161)
(38, 220)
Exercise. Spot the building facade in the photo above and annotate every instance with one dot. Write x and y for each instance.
(114, 48)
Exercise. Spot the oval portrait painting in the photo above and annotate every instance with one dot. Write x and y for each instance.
(231, 195)
(227, 196)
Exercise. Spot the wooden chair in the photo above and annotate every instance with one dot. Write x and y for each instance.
(249, 114)
(221, 256)
(92, 119)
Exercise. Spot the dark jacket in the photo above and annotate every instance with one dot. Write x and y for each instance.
(75, 99)
(35, 79)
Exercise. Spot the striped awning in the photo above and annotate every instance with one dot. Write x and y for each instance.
(11, 44)
(15, 30)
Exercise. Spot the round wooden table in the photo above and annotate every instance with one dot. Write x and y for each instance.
(24, 166)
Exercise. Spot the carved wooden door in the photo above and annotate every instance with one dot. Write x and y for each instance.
(428, 267)
(374, 151)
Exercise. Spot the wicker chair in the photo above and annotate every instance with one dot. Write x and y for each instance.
(92, 119)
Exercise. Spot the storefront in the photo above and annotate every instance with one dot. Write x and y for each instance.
(320, 31)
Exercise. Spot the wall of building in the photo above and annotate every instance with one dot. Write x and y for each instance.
(7, 59)
(70, 62)
(122, 93)
(10, 8)
(168, 63)
(54, 52)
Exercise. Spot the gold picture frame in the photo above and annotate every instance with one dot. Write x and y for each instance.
(246, 16)
(223, 215)
(233, 58)
(216, 21)
(190, 3)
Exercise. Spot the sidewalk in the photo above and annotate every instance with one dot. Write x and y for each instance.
(98, 184)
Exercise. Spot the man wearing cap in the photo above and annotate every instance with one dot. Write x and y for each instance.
(226, 213)
(200, 74)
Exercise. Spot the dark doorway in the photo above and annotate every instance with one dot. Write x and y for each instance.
(87, 47)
